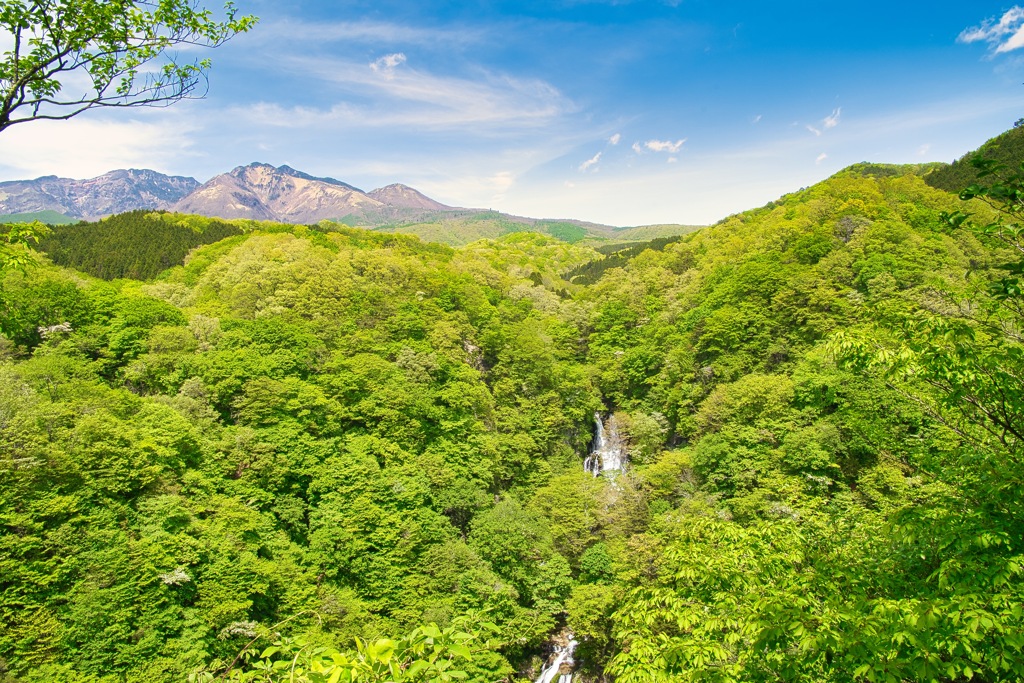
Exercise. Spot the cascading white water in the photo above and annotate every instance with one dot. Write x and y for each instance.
(563, 658)
(608, 452)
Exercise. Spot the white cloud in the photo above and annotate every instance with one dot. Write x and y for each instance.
(727, 179)
(638, 148)
(672, 160)
(415, 98)
(592, 161)
(86, 147)
(386, 65)
(615, 139)
(827, 123)
(664, 146)
(833, 120)
(501, 182)
(821, 158)
(923, 150)
(756, 119)
(1004, 35)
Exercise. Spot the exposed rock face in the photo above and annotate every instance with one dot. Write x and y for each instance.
(261, 191)
(114, 192)
(405, 197)
(257, 191)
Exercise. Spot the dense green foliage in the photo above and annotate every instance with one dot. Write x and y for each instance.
(1007, 149)
(137, 244)
(615, 256)
(15, 239)
(304, 436)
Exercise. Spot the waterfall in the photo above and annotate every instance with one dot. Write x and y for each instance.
(563, 657)
(608, 452)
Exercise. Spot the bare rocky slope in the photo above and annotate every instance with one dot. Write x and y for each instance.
(263, 192)
(113, 192)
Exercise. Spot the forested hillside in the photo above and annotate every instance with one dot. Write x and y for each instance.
(1007, 149)
(137, 244)
(303, 436)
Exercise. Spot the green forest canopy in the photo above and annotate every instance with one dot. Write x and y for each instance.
(310, 436)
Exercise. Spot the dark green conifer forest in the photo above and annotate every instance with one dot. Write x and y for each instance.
(259, 452)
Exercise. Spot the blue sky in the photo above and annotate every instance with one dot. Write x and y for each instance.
(623, 112)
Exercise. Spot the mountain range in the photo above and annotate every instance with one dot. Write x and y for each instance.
(258, 191)
(113, 192)
(262, 192)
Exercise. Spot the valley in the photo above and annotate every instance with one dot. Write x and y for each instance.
(239, 433)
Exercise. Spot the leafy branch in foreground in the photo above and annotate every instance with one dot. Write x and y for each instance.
(121, 49)
(13, 240)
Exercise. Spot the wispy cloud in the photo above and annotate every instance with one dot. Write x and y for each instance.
(615, 139)
(1004, 35)
(924, 149)
(163, 143)
(387, 64)
(666, 146)
(832, 120)
(821, 158)
(756, 119)
(413, 97)
(591, 162)
(827, 123)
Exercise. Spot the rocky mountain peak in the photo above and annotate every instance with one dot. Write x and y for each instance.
(257, 190)
(113, 192)
(403, 196)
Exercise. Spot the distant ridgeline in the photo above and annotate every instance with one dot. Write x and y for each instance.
(137, 244)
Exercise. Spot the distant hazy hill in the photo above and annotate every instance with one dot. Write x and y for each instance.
(462, 226)
(49, 217)
(111, 193)
(1007, 148)
(650, 232)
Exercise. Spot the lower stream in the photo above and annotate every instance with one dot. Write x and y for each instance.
(608, 456)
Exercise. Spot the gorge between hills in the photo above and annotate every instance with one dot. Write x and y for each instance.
(274, 428)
